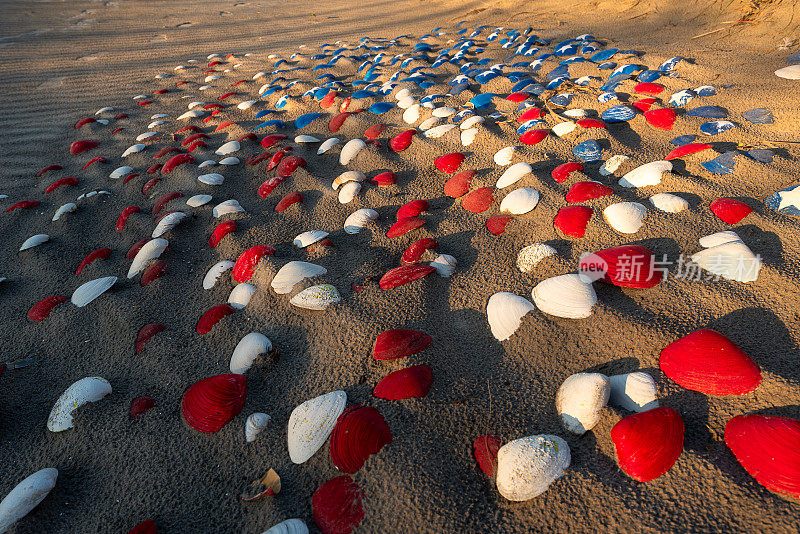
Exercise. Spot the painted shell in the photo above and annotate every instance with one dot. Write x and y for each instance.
(337, 506)
(249, 351)
(505, 312)
(527, 466)
(625, 266)
(648, 443)
(293, 272)
(531, 255)
(580, 401)
(397, 343)
(212, 402)
(636, 392)
(359, 433)
(89, 291)
(407, 383)
(625, 217)
(316, 297)
(567, 295)
(26, 496)
(90, 389)
(256, 422)
(312, 422)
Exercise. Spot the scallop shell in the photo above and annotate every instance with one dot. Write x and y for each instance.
(438, 131)
(227, 208)
(240, 295)
(90, 389)
(348, 192)
(327, 145)
(411, 114)
(213, 178)
(444, 264)
(513, 174)
(359, 219)
(250, 347)
(228, 148)
(580, 401)
(309, 238)
(149, 251)
(625, 217)
(505, 312)
(26, 496)
(34, 241)
(351, 150)
(527, 466)
(668, 202)
(732, 260)
(647, 174)
(316, 297)
(614, 162)
(293, 272)
(89, 291)
(198, 200)
(468, 136)
(168, 223)
(567, 295)
(520, 201)
(348, 176)
(633, 391)
(215, 272)
(529, 256)
(311, 423)
(69, 207)
(290, 526)
(504, 156)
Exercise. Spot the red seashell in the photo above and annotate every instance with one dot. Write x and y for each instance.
(530, 114)
(164, 200)
(729, 210)
(222, 229)
(374, 131)
(189, 128)
(518, 96)
(227, 95)
(211, 402)
(625, 266)
(161, 92)
(121, 116)
(101, 253)
(248, 137)
(197, 144)
(416, 249)
(404, 274)
(139, 407)
(82, 146)
(255, 159)
(583, 191)
(449, 163)
(246, 263)
(393, 344)
(182, 82)
(768, 447)
(479, 200)
(166, 150)
(146, 333)
(174, 161)
(271, 139)
(562, 172)
(288, 200)
(458, 185)
(154, 168)
(337, 121)
(496, 224)
(122, 220)
(131, 177)
(212, 317)
(83, 122)
(239, 82)
(685, 150)
(591, 123)
(648, 443)
(644, 104)
(409, 383)
(145, 527)
(23, 204)
(485, 450)
(154, 271)
(224, 124)
(345, 104)
(337, 507)
(289, 164)
(405, 225)
(214, 106)
(402, 141)
(98, 159)
(532, 137)
(41, 310)
(48, 169)
(384, 179)
(412, 209)
(327, 100)
(663, 118)
(269, 185)
(135, 249)
(274, 160)
(708, 362)
(359, 433)
(648, 88)
(144, 103)
(117, 130)
(150, 184)
(572, 220)
(69, 180)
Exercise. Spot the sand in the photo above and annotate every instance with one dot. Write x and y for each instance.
(63, 61)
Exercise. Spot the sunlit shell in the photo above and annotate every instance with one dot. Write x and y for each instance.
(327, 145)
(504, 156)
(359, 219)
(227, 208)
(240, 295)
(350, 150)
(647, 174)
(580, 401)
(198, 200)
(348, 176)
(168, 222)
(69, 207)
(437, 131)
(90, 389)
(248, 350)
(316, 297)
(311, 423)
(26, 496)
(527, 466)
(625, 217)
(513, 174)
(612, 164)
(468, 136)
(213, 178)
(293, 272)
(732, 260)
(149, 251)
(215, 272)
(531, 255)
(133, 149)
(520, 201)
(563, 128)
(444, 264)
(411, 114)
(668, 202)
(567, 295)
(309, 238)
(348, 192)
(636, 392)
(505, 312)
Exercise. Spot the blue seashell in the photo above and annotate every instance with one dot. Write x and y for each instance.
(270, 91)
(761, 154)
(264, 113)
(759, 116)
(461, 115)
(555, 83)
(522, 84)
(562, 99)
(786, 201)
(607, 65)
(358, 83)
(527, 125)
(431, 98)
(497, 116)
(363, 93)
(317, 57)
(327, 76)
(482, 101)
(625, 69)
(794, 59)
(669, 64)
(379, 108)
(585, 80)
(603, 55)
(716, 127)
(460, 79)
(589, 49)
(683, 140)
(458, 89)
(484, 61)
(681, 98)
(605, 97)
(522, 106)
(708, 112)
(486, 76)
(536, 64)
(281, 103)
(278, 124)
(588, 151)
(558, 72)
(566, 49)
(571, 60)
(371, 76)
(706, 90)
(649, 76)
(422, 47)
(426, 85)
(310, 92)
(618, 114)
(722, 164)
(610, 86)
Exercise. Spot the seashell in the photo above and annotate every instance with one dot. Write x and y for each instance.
(34, 241)
(256, 422)
(411, 114)
(472, 122)
(533, 136)
(90, 389)
(408, 383)
(348, 176)
(520, 201)
(311, 423)
(444, 112)
(612, 164)
(70, 207)
(290, 526)
(485, 448)
(212, 316)
(26, 496)
(402, 141)
(293, 272)
(625, 266)
(580, 401)
(140, 406)
(513, 174)
(213, 274)
(309, 238)
(531, 255)
(732, 260)
(792, 72)
(504, 156)
(359, 433)
(563, 128)
(449, 163)
(149, 251)
(647, 174)
(633, 391)
(393, 344)
(616, 114)
(212, 402)
(404, 274)
(198, 200)
(300, 139)
(583, 191)
(247, 104)
(527, 466)
(625, 217)
(246, 262)
(406, 102)
(505, 312)
(430, 122)
(438, 131)
(573, 220)
(269, 484)
(445, 265)
(288, 200)
(89, 291)
(716, 127)
(350, 150)
(327, 145)
(240, 295)
(228, 148)
(359, 219)
(468, 136)
(79, 147)
(496, 224)
(708, 362)
(42, 309)
(768, 447)
(248, 351)
(730, 210)
(567, 295)
(230, 161)
(348, 192)
(317, 297)
(669, 203)
(648, 443)
(720, 238)
(168, 222)
(133, 149)
(759, 116)
(192, 114)
(146, 333)
(337, 506)
(563, 171)
(227, 208)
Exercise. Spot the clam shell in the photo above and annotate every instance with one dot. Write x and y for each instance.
(227, 208)
(438, 131)
(212, 402)
(527, 466)
(563, 128)
(337, 505)
(348, 192)
(290, 526)
(505, 312)
(504, 156)
(580, 401)
(305, 139)
(149, 251)
(359, 433)
(444, 112)
(719, 238)
(468, 136)
(311, 423)
(327, 145)
(411, 382)
(92, 289)
(430, 122)
(513, 174)
(193, 114)
(213, 178)
(309, 238)
(90, 389)
(215, 272)
(34, 241)
(26, 496)
(348, 176)
(316, 297)
(411, 114)
(567, 295)
(732, 260)
(471, 122)
(531, 255)
(198, 200)
(648, 443)
(359, 219)
(520, 201)
(350, 150)
(633, 391)
(250, 347)
(612, 164)
(231, 160)
(293, 272)
(133, 149)
(168, 223)
(668, 202)
(625, 217)
(444, 264)
(69, 207)
(256, 422)
(240, 295)
(647, 174)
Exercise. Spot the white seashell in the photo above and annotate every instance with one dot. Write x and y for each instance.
(411, 115)
(316, 297)
(90, 389)
(625, 217)
(402, 93)
(567, 295)
(668, 202)
(133, 149)
(215, 272)
(471, 122)
(140, 97)
(92, 289)
(633, 391)
(193, 114)
(198, 200)
(149, 251)
(563, 128)
(120, 172)
(34, 241)
(719, 238)
(207, 163)
(305, 139)
(213, 178)
(227, 208)
(527, 466)
(430, 122)
(247, 104)
(348, 192)
(513, 174)
(504, 156)
(240, 295)
(531, 255)
(159, 116)
(445, 265)
(520, 201)
(647, 174)
(580, 401)
(259, 75)
(230, 161)
(69, 207)
(256, 422)
(327, 145)
(228, 148)
(104, 110)
(263, 88)
(468, 136)
(247, 350)
(152, 125)
(292, 273)
(311, 423)
(348, 176)
(168, 222)
(145, 136)
(613, 163)
(444, 112)
(290, 526)
(351, 150)
(438, 131)
(405, 103)
(359, 219)
(792, 72)
(732, 260)
(575, 113)
(309, 238)
(211, 78)
(26, 496)
(505, 312)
